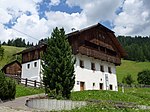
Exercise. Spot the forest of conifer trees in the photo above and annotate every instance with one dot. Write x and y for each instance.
(137, 48)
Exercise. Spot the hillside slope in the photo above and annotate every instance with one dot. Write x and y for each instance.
(8, 54)
(131, 67)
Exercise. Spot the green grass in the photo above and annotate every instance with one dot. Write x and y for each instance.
(21, 90)
(136, 95)
(131, 67)
(8, 54)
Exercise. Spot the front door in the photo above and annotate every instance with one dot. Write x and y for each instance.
(81, 86)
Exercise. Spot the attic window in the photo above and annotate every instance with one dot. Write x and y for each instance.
(103, 36)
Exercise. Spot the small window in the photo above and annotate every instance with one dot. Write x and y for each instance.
(35, 64)
(93, 66)
(81, 64)
(101, 86)
(28, 66)
(78, 82)
(101, 68)
(93, 84)
(110, 87)
(109, 70)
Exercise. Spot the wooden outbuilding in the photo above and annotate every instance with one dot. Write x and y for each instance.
(12, 68)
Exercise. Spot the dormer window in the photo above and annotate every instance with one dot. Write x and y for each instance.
(81, 63)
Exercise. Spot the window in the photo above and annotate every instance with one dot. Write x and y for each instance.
(92, 66)
(109, 70)
(101, 68)
(35, 64)
(93, 84)
(81, 64)
(78, 82)
(110, 87)
(28, 66)
(101, 86)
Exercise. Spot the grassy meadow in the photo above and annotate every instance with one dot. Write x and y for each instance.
(131, 67)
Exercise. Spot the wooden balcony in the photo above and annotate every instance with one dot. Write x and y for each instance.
(99, 55)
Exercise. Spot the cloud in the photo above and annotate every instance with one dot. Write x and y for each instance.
(68, 21)
(97, 10)
(135, 18)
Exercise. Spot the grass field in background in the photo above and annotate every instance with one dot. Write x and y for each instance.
(8, 54)
(131, 67)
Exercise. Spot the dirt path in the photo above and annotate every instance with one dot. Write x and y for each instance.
(18, 105)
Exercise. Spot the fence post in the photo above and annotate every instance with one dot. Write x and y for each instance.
(35, 83)
(26, 82)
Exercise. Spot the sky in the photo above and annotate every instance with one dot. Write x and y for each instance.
(35, 19)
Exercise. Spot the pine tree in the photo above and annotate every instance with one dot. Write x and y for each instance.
(58, 66)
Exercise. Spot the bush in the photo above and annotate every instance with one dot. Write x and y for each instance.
(144, 77)
(128, 79)
(7, 87)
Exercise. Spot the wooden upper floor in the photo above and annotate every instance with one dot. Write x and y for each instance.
(98, 42)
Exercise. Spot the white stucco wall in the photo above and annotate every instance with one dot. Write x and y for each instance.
(89, 76)
(32, 73)
(85, 74)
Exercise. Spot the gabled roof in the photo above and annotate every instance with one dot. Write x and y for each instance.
(90, 27)
(15, 61)
(113, 38)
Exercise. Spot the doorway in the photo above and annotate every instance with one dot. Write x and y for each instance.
(82, 84)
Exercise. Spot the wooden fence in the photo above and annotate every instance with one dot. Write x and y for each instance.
(26, 82)
(133, 85)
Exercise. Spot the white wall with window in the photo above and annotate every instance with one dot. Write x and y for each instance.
(31, 70)
(93, 73)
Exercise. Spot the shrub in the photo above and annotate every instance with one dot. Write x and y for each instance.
(7, 87)
(128, 79)
(144, 77)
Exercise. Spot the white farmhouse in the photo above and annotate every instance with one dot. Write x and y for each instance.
(97, 52)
